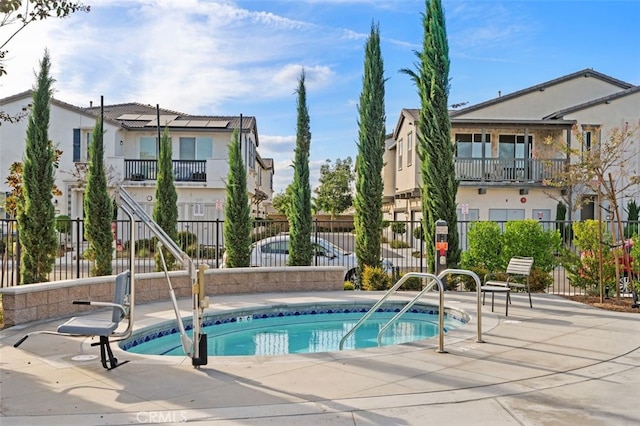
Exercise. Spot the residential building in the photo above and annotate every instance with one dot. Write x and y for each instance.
(199, 145)
(502, 162)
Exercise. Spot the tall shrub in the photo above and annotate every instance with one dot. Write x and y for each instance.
(484, 246)
(237, 223)
(301, 249)
(436, 151)
(165, 210)
(583, 268)
(369, 162)
(98, 207)
(36, 213)
(528, 238)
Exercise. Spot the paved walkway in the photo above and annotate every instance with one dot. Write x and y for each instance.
(560, 363)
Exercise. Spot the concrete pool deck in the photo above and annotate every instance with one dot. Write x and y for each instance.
(558, 363)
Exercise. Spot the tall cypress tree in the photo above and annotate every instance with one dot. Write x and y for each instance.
(237, 222)
(36, 214)
(98, 207)
(369, 163)
(300, 249)
(165, 211)
(436, 151)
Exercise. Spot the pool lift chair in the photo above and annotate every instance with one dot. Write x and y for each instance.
(124, 297)
(104, 328)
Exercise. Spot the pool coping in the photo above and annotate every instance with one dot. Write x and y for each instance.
(170, 327)
(464, 332)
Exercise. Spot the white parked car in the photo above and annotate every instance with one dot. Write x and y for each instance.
(274, 251)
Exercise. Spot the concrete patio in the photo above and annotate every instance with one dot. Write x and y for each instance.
(558, 363)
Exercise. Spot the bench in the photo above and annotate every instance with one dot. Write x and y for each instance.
(519, 267)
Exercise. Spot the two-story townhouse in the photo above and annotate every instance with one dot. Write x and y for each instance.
(501, 161)
(199, 145)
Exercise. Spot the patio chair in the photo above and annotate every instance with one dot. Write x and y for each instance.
(519, 267)
(104, 328)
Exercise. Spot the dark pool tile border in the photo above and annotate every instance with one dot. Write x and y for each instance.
(279, 311)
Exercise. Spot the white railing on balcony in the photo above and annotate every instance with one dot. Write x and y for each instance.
(183, 170)
(507, 170)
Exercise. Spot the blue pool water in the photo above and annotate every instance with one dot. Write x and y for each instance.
(301, 330)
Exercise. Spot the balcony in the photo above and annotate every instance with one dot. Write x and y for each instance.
(183, 170)
(500, 170)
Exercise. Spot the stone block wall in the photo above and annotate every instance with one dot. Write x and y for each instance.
(36, 302)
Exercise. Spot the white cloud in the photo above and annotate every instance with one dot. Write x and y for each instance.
(276, 145)
(281, 149)
(168, 52)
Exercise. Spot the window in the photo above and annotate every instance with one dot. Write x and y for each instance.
(81, 145)
(409, 148)
(513, 146)
(586, 141)
(276, 247)
(198, 209)
(400, 149)
(469, 145)
(252, 153)
(88, 139)
(148, 148)
(196, 148)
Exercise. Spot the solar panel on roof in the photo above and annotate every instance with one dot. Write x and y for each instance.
(214, 123)
(128, 117)
(165, 120)
(179, 123)
(197, 123)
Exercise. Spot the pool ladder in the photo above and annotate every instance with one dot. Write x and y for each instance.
(435, 280)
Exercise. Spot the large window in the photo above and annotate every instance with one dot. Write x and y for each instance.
(513, 146)
(148, 148)
(470, 145)
(196, 148)
(81, 144)
(252, 152)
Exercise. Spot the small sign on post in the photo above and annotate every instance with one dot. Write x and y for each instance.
(441, 246)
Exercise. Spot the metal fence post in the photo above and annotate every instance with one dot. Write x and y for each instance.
(78, 240)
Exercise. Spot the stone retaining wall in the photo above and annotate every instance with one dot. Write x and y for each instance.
(34, 302)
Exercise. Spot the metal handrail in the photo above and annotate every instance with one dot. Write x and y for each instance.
(441, 325)
(435, 280)
(428, 287)
(388, 294)
(478, 294)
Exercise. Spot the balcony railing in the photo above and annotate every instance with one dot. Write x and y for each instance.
(507, 170)
(183, 170)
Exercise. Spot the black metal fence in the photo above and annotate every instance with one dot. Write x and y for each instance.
(204, 242)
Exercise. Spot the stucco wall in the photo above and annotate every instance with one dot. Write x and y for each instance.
(35, 302)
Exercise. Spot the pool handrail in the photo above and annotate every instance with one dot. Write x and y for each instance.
(408, 306)
(429, 287)
(390, 292)
(476, 278)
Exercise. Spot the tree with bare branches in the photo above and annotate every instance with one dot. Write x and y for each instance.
(20, 13)
(601, 165)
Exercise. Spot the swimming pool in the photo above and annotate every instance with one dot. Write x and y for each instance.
(297, 329)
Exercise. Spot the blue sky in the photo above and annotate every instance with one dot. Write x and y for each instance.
(229, 57)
